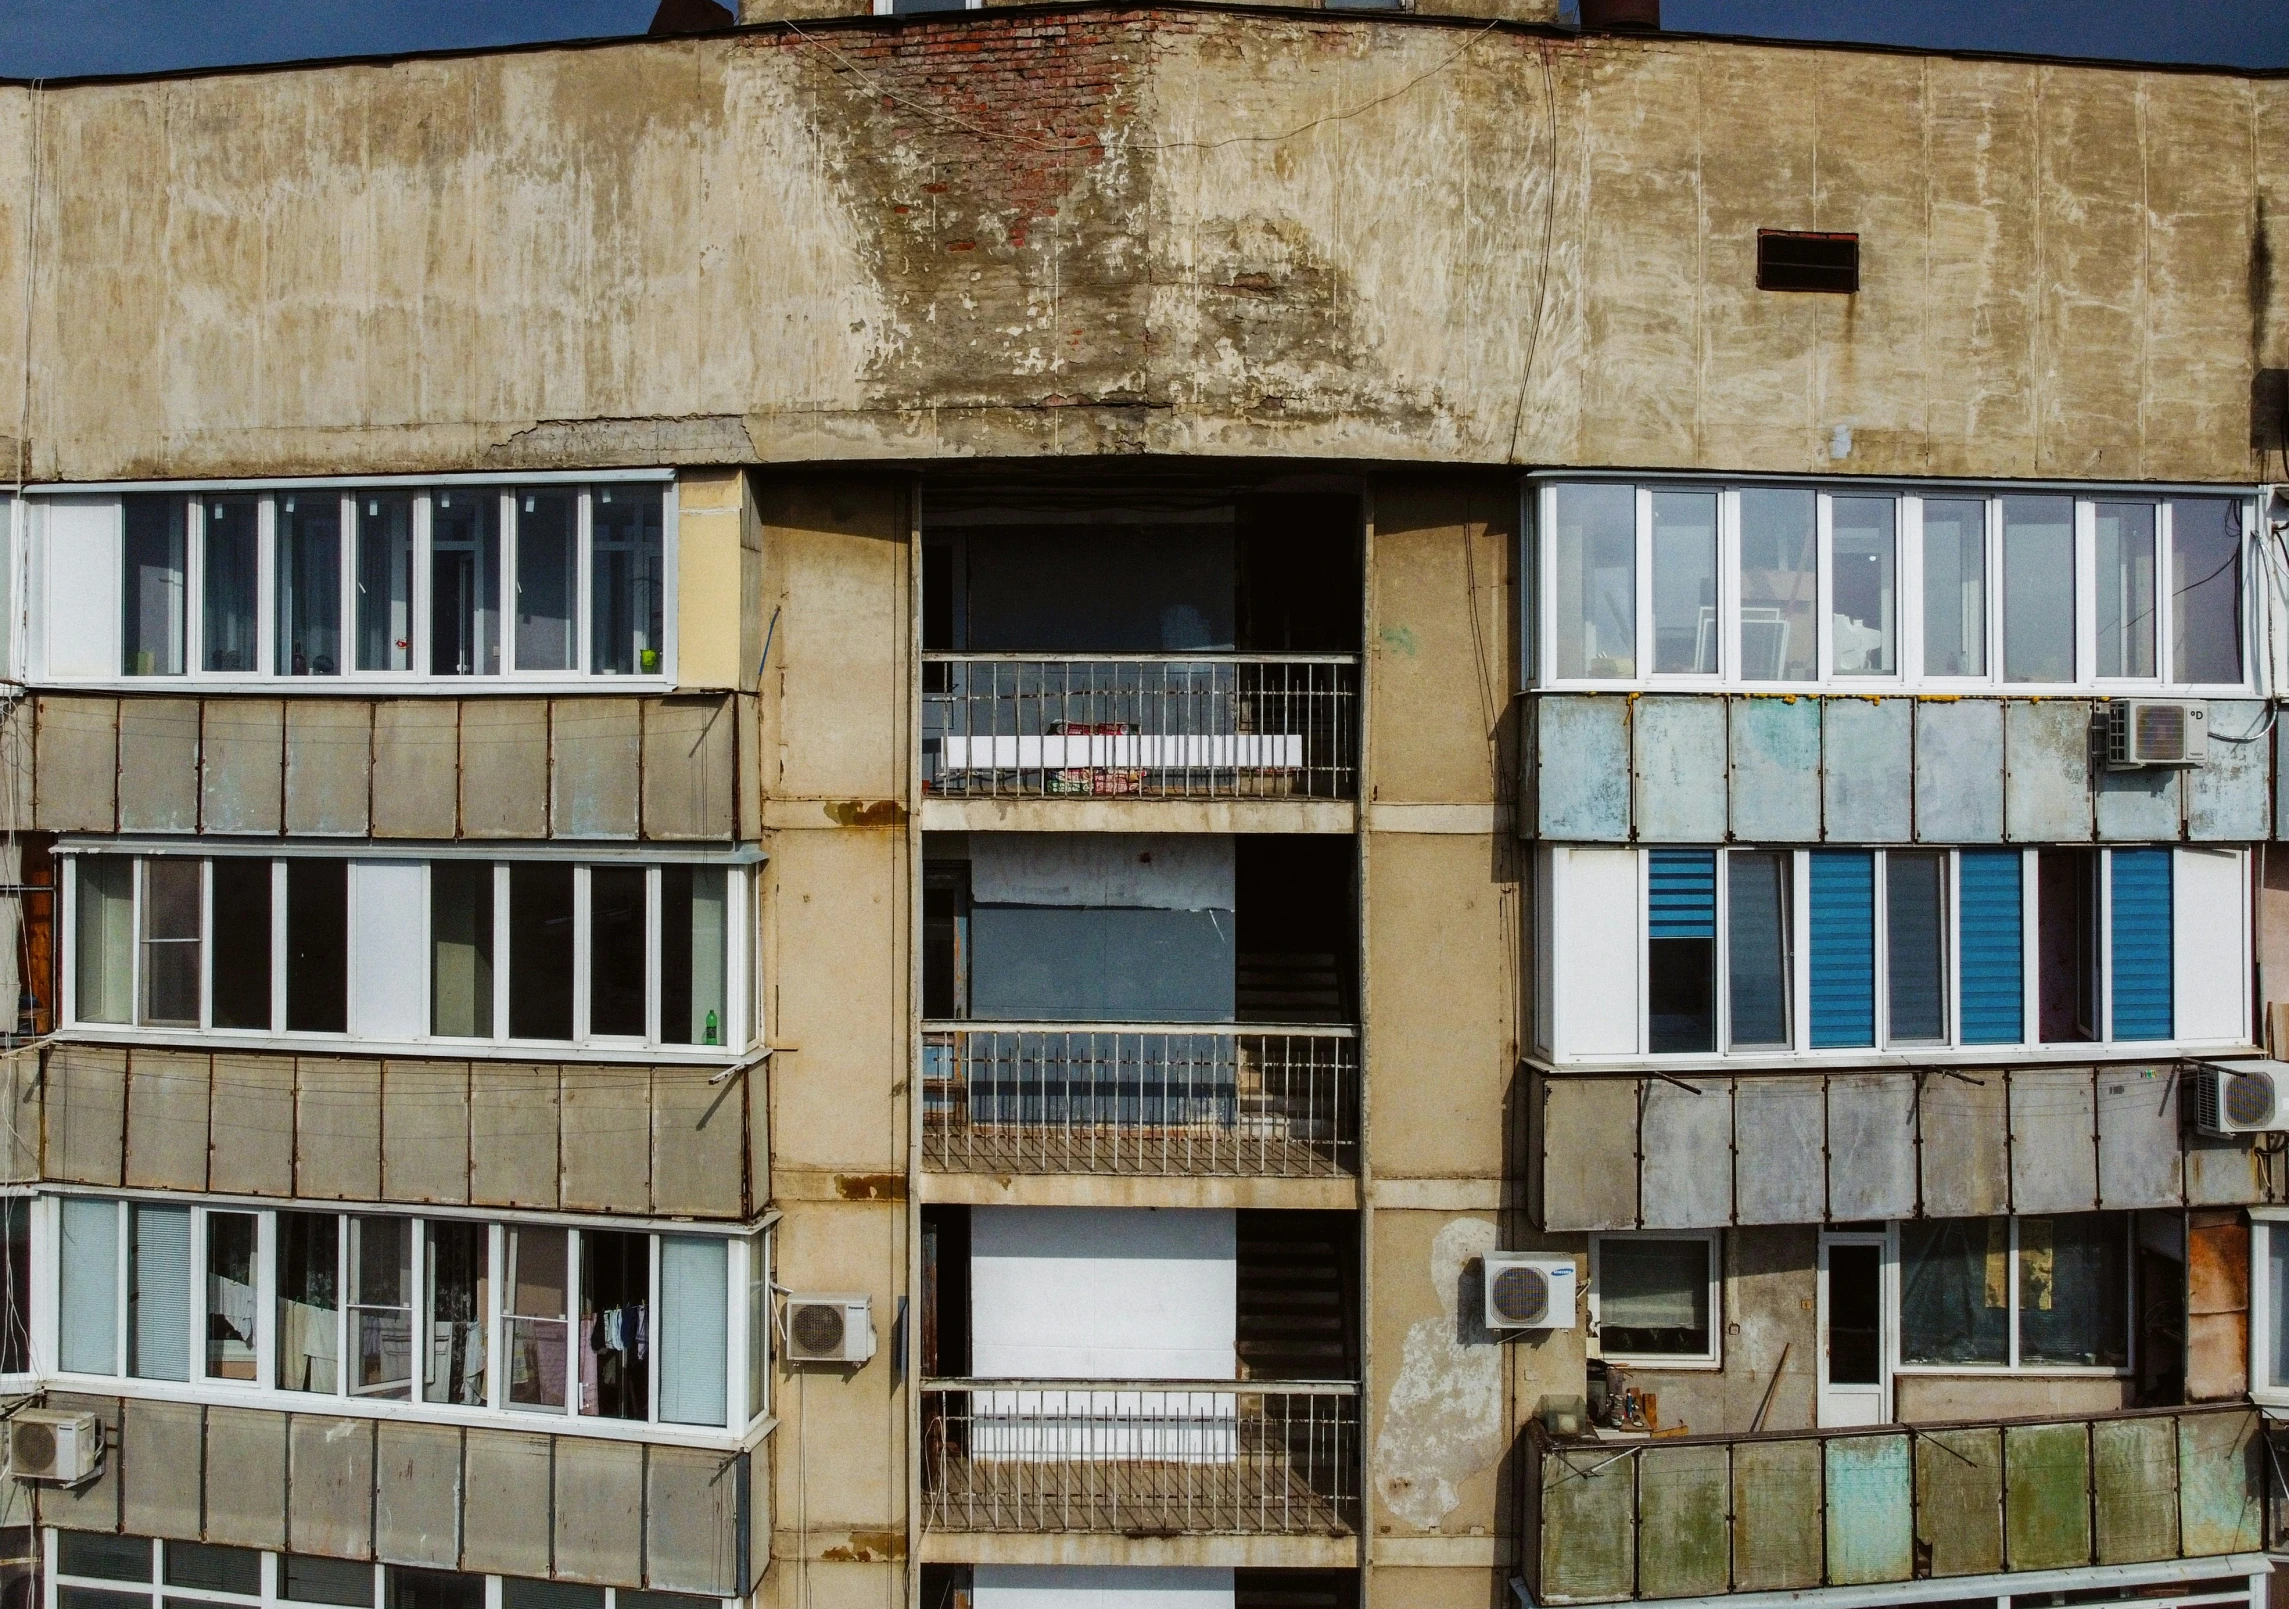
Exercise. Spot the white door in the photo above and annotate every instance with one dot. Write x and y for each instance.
(1855, 1350)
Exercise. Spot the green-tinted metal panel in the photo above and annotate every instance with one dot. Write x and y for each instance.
(1867, 775)
(1871, 1523)
(1589, 1506)
(1776, 1515)
(1683, 1550)
(1581, 778)
(2046, 1496)
(1775, 744)
(2220, 1490)
(1959, 1501)
(2137, 1503)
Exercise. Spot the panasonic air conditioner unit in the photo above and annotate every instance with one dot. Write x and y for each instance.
(1529, 1293)
(2248, 1097)
(833, 1328)
(2151, 731)
(47, 1444)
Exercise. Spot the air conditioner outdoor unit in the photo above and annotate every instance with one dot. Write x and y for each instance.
(2246, 1097)
(2153, 731)
(836, 1327)
(1529, 1293)
(47, 1444)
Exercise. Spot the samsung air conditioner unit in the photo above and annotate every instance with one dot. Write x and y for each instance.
(47, 1444)
(2247, 1097)
(833, 1328)
(2155, 731)
(1529, 1293)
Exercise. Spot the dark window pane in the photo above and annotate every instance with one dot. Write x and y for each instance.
(2067, 940)
(1915, 944)
(465, 583)
(694, 1002)
(16, 1311)
(626, 576)
(107, 1558)
(317, 946)
(2073, 1292)
(309, 1342)
(241, 942)
(232, 561)
(461, 948)
(663, 1600)
(2038, 589)
(433, 1589)
(218, 1569)
(1653, 1296)
(547, 579)
(453, 1368)
(338, 1581)
(615, 1328)
(540, 951)
(616, 950)
(1758, 964)
(1681, 950)
(384, 580)
(152, 586)
(1955, 1291)
(90, 1598)
(171, 897)
(381, 1307)
(517, 1592)
(1855, 1315)
(230, 1295)
(310, 584)
(2205, 589)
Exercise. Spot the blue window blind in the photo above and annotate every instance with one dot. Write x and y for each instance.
(1991, 946)
(1843, 948)
(2141, 923)
(1681, 897)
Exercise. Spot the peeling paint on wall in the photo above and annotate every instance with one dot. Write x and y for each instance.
(1442, 1422)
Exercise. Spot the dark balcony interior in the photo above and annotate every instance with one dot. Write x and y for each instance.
(949, 1586)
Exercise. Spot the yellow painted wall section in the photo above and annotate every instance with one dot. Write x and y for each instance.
(714, 592)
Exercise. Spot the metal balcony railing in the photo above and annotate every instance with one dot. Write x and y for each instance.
(1695, 1516)
(1141, 1457)
(1141, 726)
(1156, 1100)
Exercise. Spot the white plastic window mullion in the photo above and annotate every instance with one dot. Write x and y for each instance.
(278, 946)
(2011, 1296)
(496, 1316)
(2086, 591)
(2030, 949)
(1545, 599)
(206, 944)
(506, 623)
(582, 526)
(342, 1282)
(1994, 581)
(417, 657)
(194, 587)
(652, 1311)
(1824, 586)
(1643, 661)
(195, 1322)
(583, 947)
(2165, 595)
(67, 1002)
(120, 1319)
(1720, 954)
(1907, 600)
(417, 1311)
(2106, 945)
(266, 588)
(652, 944)
(501, 956)
(1728, 584)
(1800, 950)
(573, 1327)
(1878, 919)
(265, 1301)
(348, 545)
(1951, 924)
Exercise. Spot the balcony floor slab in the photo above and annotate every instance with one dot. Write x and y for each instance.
(1136, 1190)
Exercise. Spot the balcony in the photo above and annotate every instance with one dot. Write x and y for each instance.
(1696, 1516)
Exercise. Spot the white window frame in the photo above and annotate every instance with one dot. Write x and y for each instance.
(1895, 1273)
(1713, 1358)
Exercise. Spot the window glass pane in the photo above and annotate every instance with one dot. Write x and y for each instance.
(694, 1006)
(1915, 950)
(309, 584)
(1955, 1291)
(335, 1581)
(616, 950)
(1866, 585)
(105, 970)
(230, 1295)
(1653, 1296)
(432, 1589)
(88, 1317)
(626, 570)
(548, 578)
(2125, 589)
(16, 1309)
(1843, 948)
(90, 1598)
(694, 1328)
(1595, 595)
(171, 942)
(2143, 975)
(2038, 589)
(461, 948)
(381, 1307)
(1954, 588)
(453, 1368)
(309, 1344)
(626, 1599)
(159, 1293)
(1780, 586)
(317, 946)
(615, 1324)
(1685, 582)
(105, 1557)
(540, 951)
(2073, 1291)
(384, 580)
(1993, 950)
(533, 1294)
(2205, 589)
(1756, 889)
(152, 585)
(232, 564)
(2277, 1293)
(520, 1592)
(241, 988)
(218, 1569)
(1681, 950)
(464, 583)
(2067, 902)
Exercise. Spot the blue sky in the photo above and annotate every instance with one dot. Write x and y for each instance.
(53, 38)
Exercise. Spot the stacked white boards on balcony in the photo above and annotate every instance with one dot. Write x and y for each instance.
(1005, 1586)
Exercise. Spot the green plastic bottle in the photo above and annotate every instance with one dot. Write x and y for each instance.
(714, 1033)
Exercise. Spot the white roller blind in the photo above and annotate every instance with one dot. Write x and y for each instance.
(83, 613)
(159, 1293)
(692, 1332)
(2208, 956)
(1596, 927)
(89, 1258)
(389, 949)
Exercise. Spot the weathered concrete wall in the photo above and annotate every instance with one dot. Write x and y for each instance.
(1127, 231)
(1770, 1341)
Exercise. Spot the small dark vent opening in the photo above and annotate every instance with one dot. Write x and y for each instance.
(1792, 260)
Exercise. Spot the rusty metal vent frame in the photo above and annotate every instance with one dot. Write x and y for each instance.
(1802, 260)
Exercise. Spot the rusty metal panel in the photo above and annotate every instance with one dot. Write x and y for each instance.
(607, 1139)
(748, 708)
(242, 765)
(513, 1134)
(1776, 1515)
(1871, 1146)
(2138, 1158)
(166, 1120)
(86, 1114)
(1678, 754)
(2222, 1172)
(1589, 1530)
(159, 1455)
(417, 768)
(692, 1541)
(504, 768)
(1686, 1141)
(1589, 1153)
(596, 766)
(159, 765)
(2217, 1305)
(75, 764)
(425, 1131)
(2220, 1483)
(2046, 1496)
(417, 1494)
(1958, 771)
(330, 1486)
(329, 765)
(337, 1129)
(690, 768)
(699, 1149)
(1959, 1500)
(1775, 771)
(2054, 1141)
(2046, 771)
(1870, 1510)
(505, 1486)
(251, 1122)
(1780, 1132)
(600, 1511)
(95, 1506)
(2136, 1466)
(1867, 770)
(2228, 797)
(2138, 806)
(1683, 1550)
(1581, 779)
(1966, 1155)
(246, 1477)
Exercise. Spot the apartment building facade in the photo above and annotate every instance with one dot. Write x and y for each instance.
(1141, 807)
